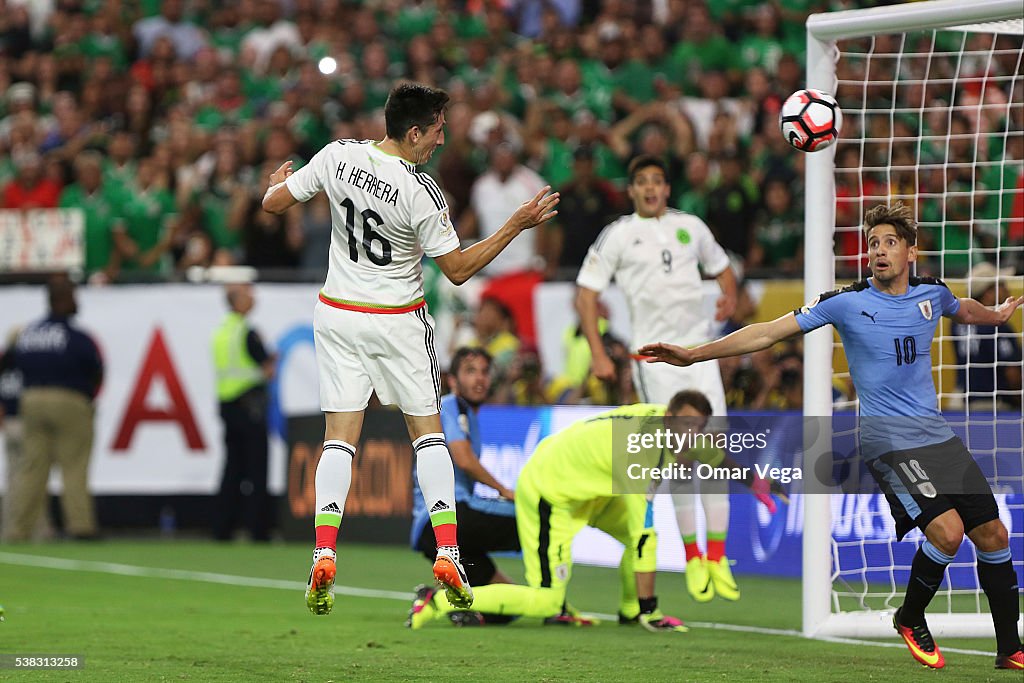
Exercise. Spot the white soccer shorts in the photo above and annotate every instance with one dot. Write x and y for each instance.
(659, 382)
(390, 353)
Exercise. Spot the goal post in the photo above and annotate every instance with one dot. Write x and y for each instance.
(823, 613)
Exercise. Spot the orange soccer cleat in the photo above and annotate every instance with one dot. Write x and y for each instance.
(1014, 661)
(920, 643)
(320, 587)
(449, 573)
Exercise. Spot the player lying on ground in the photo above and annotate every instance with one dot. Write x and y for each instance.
(887, 323)
(370, 325)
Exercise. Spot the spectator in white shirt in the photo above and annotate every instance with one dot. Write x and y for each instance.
(506, 183)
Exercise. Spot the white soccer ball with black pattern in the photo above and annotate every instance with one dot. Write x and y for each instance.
(810, 120)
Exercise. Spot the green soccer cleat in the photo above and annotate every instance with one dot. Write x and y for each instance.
(698, 580)
(721, 579)
(656, 622)
(320, 587)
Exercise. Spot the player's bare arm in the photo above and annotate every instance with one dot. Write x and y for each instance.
(460, 265)
(726, 304)
(746, 340)
(601, 365)
(465, 460)
(279, 198)
(974, 313)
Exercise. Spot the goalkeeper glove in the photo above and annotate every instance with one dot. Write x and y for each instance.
(653, 620)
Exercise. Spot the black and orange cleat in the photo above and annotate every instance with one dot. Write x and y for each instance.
(1014, 661)
(920, 642)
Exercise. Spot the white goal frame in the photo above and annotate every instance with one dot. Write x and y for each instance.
(819, 276)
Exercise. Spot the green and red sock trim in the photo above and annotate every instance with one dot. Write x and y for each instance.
(716, 546)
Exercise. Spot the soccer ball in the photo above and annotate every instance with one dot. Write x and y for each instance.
(810, 120)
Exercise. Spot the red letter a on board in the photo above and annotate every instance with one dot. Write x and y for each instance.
(158, 364)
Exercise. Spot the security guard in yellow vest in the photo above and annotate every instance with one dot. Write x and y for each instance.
(243, 368)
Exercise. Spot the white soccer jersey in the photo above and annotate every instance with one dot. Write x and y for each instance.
(655, 261)
(385, 215)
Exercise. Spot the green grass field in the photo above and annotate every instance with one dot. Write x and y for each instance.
(182, 619)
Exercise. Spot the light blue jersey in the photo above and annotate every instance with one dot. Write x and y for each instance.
(887, 340)
(460, 423)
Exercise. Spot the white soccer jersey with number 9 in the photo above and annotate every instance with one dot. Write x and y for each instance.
(385, 215)
(655, 262)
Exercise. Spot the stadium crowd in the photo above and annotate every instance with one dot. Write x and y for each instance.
(162, 121)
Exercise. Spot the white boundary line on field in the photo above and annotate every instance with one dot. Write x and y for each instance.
(185, 575)
(27, 560)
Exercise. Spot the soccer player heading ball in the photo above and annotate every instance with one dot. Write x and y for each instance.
(371, 326)
(930, 479)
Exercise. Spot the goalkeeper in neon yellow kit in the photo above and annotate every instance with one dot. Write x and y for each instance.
(581, 476)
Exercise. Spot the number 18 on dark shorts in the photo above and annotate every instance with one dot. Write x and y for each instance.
(922, 483)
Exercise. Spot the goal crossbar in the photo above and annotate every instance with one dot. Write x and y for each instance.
(911, 16)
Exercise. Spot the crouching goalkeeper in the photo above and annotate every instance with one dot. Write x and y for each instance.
(577, 478)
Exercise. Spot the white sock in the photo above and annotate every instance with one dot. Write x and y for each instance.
(452, 550)
(715, 497)
(683, 500)
(332, 482)
(436, 477)
(320, 552)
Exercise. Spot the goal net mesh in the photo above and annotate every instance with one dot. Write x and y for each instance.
(936, 119)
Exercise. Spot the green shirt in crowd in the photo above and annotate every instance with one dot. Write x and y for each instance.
(147, 214)
(780, 237)
(760, 51)
(210, 117)
(102, 213)
(690, 60)
(214, 205)
(694, 202)
(121, 178)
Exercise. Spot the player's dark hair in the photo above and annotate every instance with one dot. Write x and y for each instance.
(463, 354)
(898, 215)
(645, 161)
(692, 398)
(412, 104)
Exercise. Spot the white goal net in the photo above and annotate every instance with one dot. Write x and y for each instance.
(933, 103)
